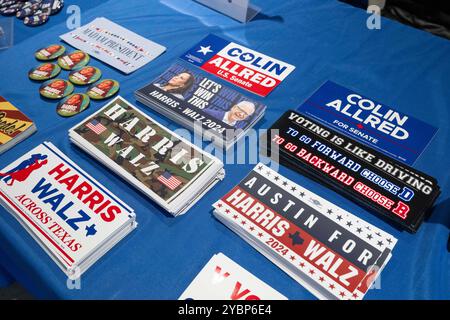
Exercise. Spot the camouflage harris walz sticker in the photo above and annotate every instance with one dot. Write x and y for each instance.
(103, 90)
(51, 52)
(73, 104)
(85, 75)
(44, 71)
(147, 151)
(75, 59)
(56, 89)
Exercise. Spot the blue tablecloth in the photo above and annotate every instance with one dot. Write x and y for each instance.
(5, 278)
(397, 65)
(22, 32)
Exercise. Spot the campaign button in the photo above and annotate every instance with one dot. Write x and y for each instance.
(73, 104)
(56, 89)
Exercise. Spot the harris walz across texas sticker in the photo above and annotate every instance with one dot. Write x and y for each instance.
(238, 65)
(73, 217)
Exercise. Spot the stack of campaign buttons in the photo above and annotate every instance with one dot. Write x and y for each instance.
(80, 74)
(33, 12)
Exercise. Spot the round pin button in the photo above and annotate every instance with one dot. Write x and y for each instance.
(85, 75)
(75, 59)
(51, 52)
(44, 71)
(73, 104)
(56, 89)
(103, 89)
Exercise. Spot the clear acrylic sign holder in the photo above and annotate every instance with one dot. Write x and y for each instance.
(6, 32)
(240, 10)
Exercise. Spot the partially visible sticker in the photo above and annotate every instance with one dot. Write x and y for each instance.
(379, 126)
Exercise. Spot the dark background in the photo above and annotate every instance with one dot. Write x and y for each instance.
(429, 15)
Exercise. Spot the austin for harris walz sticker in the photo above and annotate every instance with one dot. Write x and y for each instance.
(379, 126)
(331, 252)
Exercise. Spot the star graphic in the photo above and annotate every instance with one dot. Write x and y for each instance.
(247, 57)
(329, 211)
(301, 264)
(311, 271)
(378, 234)
(285, 183)
(360, 126)
(205, 50)
(359, 230)
(302, 194)
(276, 178)
(355, 295)
(260, 168)
(90, 230)
(321, 279)
(292, 258)
(252, 228)
(389, 240)
(380, 243)
(260, 234)
(293, 188)
(268, 173)
(342, 294)
(349, 223)
(243, 222)
(339, 217)
(227, 211)
(220, 205)
(331, 286)
(235, 216)
(369, 236)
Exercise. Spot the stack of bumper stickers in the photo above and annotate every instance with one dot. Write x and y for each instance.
(364, 175)
(201, 104)
(223, 279)
(165, 167)
(114, 45)
(329, 251)
(246, 68)
(74, 218)
(377, 125)
(14, 125)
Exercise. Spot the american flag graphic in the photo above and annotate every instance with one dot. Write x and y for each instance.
(169, 180)
(96, 126)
